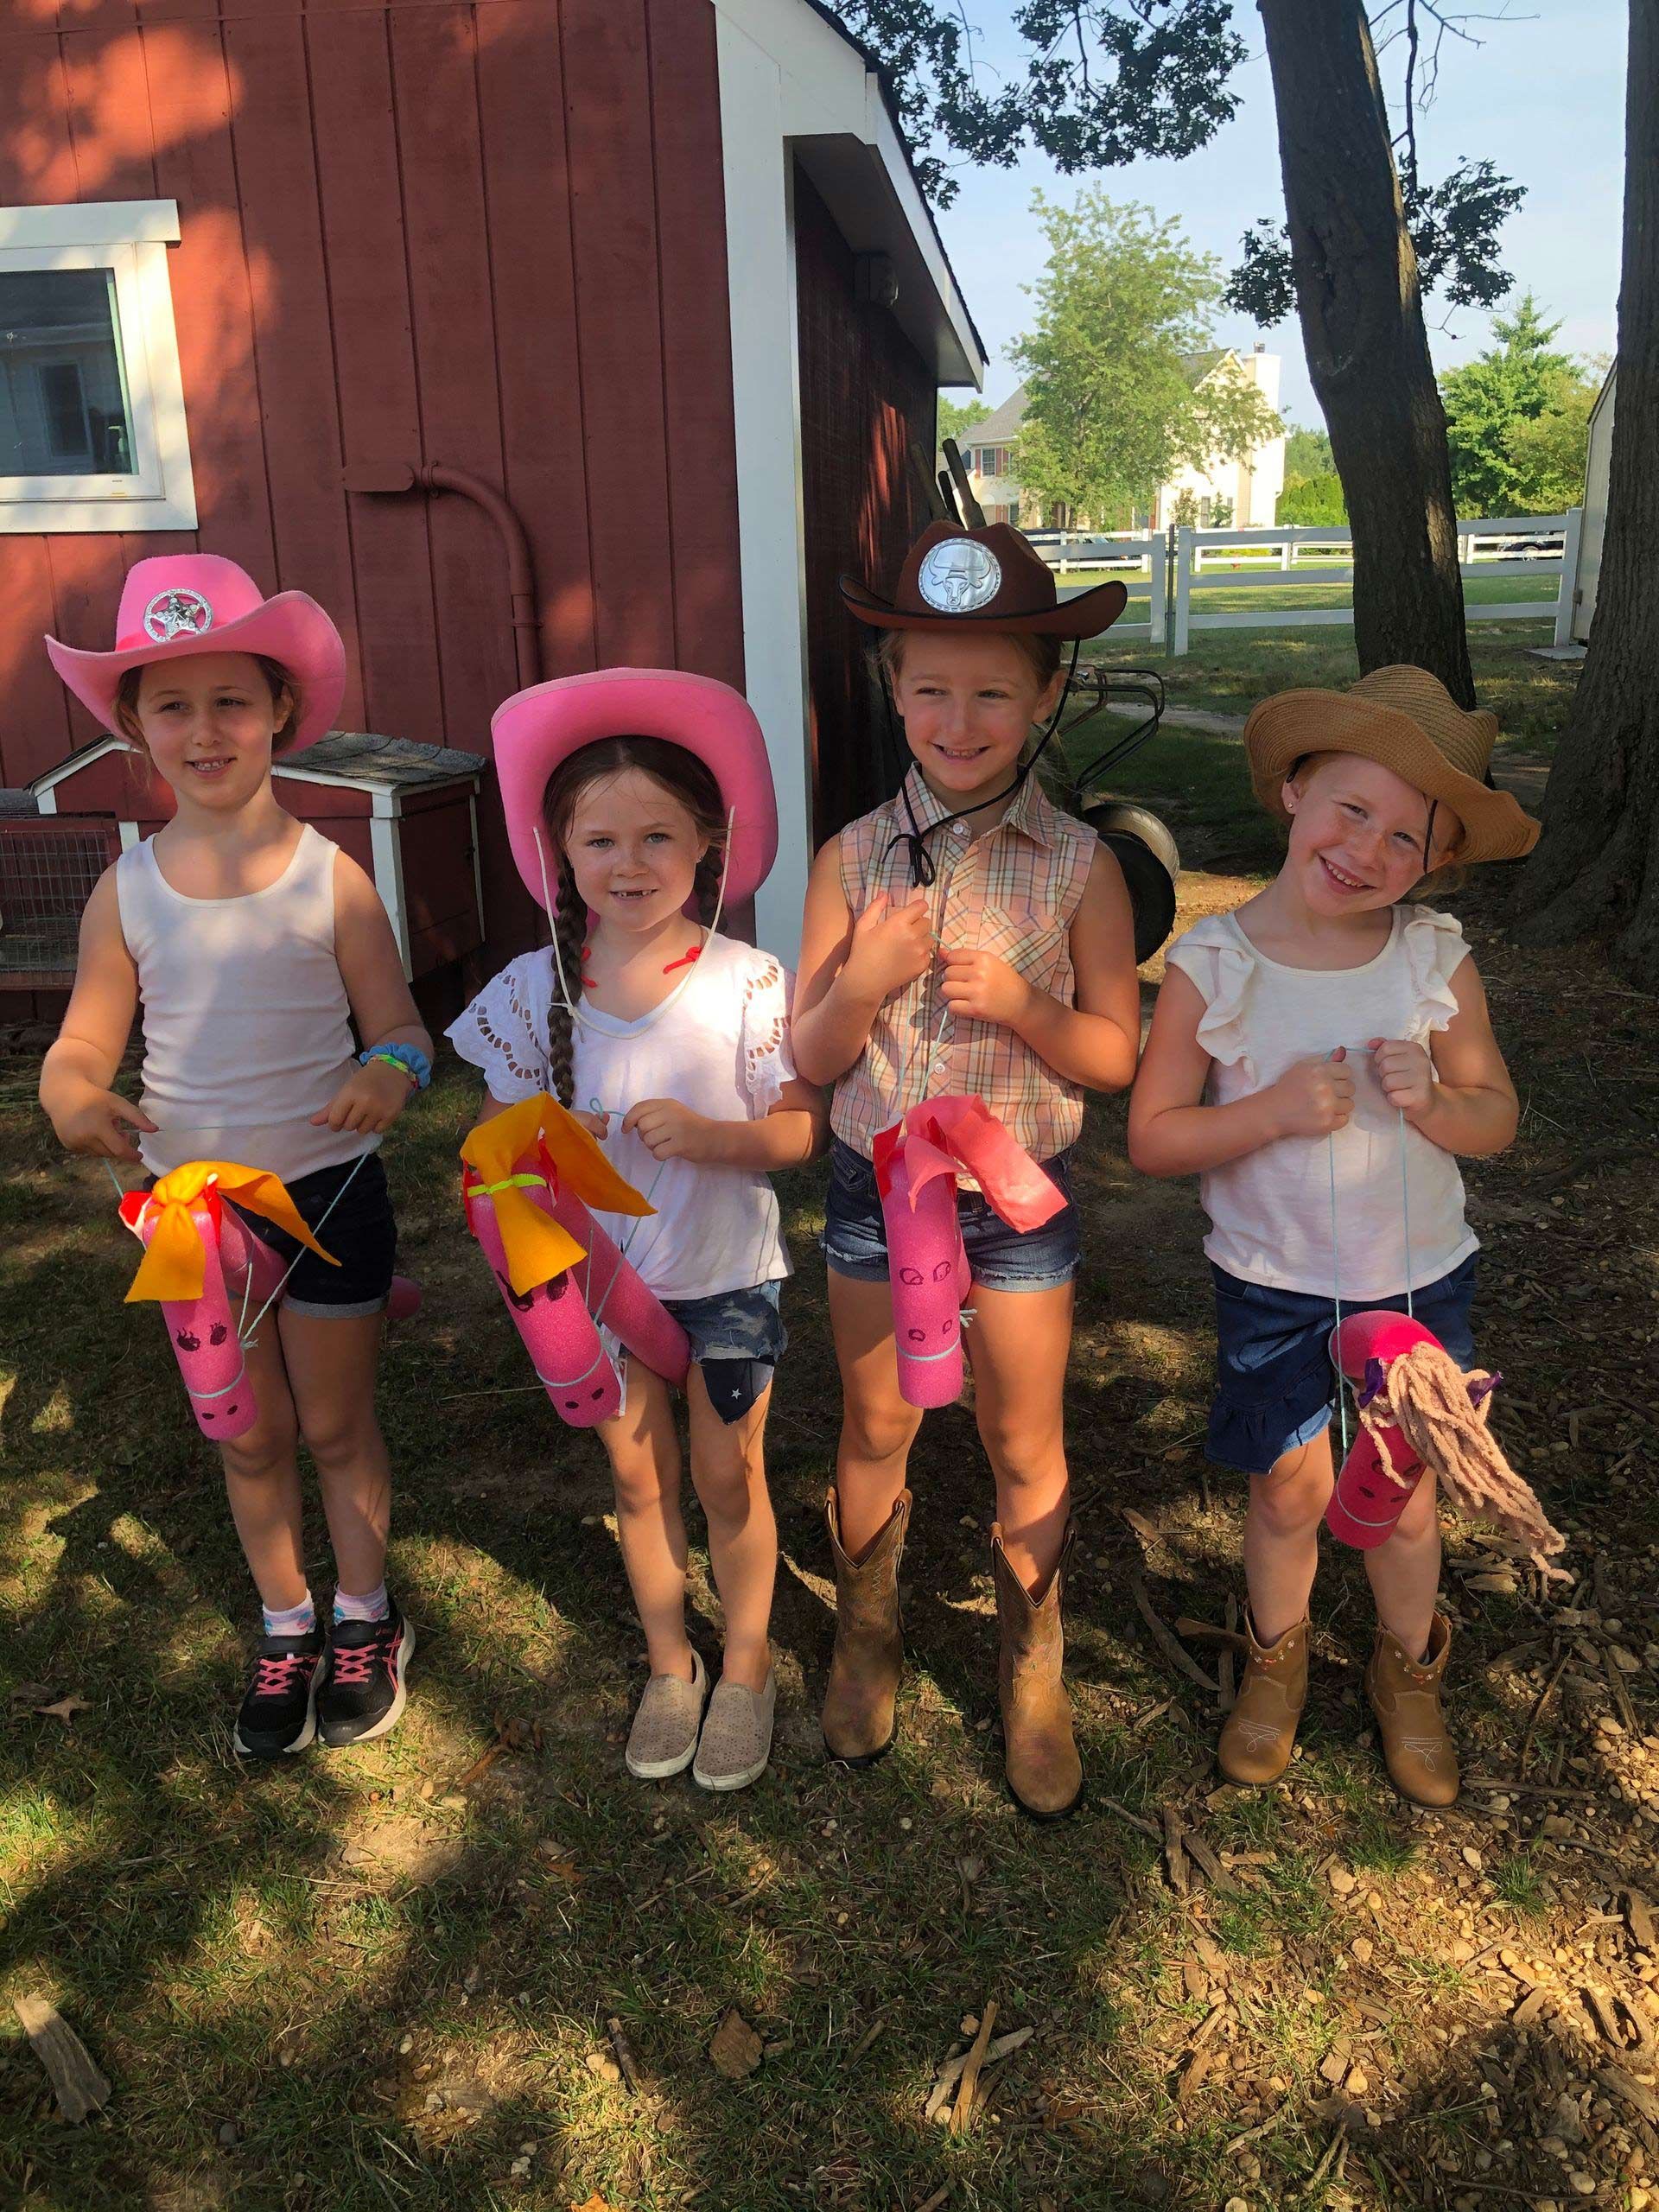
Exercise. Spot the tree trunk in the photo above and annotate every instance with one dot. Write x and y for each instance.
(1597, 868)
(1362, 317)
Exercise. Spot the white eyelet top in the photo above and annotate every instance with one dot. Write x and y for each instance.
(722, 1049)
(1270, 1211)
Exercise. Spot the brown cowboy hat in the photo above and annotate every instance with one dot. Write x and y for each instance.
(1408, 720)
(980, 581)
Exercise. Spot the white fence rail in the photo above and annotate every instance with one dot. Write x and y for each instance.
(1506, 548)
(1135, 557)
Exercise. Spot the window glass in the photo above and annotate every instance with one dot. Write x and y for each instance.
(64, 409)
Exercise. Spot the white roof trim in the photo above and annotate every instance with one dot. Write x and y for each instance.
(836, 115)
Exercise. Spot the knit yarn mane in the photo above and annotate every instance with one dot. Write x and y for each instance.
(1444, 1416)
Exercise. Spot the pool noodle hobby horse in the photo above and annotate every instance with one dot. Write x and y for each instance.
(199, 1253)
(530, 1177)
(1418, 1413)
(916, 1165)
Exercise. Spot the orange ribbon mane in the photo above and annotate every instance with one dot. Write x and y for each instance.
(533, 1146)
(174, 1264)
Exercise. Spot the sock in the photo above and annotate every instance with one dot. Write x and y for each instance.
(291, 1620)
(372, 1605)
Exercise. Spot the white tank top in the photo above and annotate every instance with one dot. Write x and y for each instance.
(1270, 1211)
(247, 1027)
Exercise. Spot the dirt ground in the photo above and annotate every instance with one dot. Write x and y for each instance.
(425, 1974)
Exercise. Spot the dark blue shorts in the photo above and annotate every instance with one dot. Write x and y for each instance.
(1276, 1388)
(738, 1337)
(855, 1237)
(361, 1233)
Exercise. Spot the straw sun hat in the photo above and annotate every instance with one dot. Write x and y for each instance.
(1406, 719)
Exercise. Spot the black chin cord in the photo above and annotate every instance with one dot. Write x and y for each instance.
(923, 870)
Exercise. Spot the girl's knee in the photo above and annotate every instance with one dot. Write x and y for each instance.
(638, 1481)
(267, 1449)
(879, 1432)
(726, 1488)
(1420, 1519)
(342, 1436)
(1017, 1450)
(1291, 1497)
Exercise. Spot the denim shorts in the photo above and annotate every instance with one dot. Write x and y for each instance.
(1276, 1388)
(361, 1233)
(854, 1238)
(738, 1337)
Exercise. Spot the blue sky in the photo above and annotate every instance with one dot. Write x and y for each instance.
(1542, 98)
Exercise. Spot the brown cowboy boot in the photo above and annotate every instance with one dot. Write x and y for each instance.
(1258, 1734)
(858, 1705)
(1405, 1696)
(1044, 1771)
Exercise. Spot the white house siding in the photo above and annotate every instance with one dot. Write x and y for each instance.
(1252, 486)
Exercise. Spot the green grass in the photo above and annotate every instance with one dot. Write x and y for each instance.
(1520, 1884)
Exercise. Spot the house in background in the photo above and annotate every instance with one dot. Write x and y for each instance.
(529, 339)
(1246, 491)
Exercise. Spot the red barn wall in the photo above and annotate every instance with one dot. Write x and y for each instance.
(866, 395)
(490, 235)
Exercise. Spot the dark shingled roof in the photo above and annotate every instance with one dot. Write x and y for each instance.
(389, 760)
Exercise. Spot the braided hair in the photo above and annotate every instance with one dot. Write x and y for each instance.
(685, 778)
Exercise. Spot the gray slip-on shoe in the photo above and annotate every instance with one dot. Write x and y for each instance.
(664, 1738)
(736, 1740)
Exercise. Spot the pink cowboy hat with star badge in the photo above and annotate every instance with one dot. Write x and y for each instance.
(178, 604)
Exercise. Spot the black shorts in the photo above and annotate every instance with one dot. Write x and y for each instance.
(361, 1233)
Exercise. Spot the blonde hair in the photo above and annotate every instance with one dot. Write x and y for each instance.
(1042, 652)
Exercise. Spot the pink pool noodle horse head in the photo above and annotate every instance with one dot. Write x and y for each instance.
(929, 1271)
(1420, 1412)
(527, 1179)
(1368, 1499)
(227, 1273)
(203, 1330)
(581, 1380)
(917, 1162)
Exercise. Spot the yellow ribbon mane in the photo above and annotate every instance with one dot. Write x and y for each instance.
(174, 1265)
(535, 1247)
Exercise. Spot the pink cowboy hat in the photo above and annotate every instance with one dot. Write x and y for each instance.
(536, 729)
(180, 603)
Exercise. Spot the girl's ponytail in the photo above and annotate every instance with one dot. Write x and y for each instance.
(570, 927)
(705, 884)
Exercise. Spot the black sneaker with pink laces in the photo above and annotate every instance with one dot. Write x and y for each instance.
(279, 1713)
(360, 1691)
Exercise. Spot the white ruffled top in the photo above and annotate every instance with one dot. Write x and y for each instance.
(722, 1048)
(1270, 1212)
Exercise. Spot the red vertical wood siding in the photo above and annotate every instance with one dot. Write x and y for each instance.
(866, 394)
(485, 233)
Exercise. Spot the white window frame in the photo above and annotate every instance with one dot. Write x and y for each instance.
(130, 239)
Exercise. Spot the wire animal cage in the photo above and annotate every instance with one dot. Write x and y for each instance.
(47, 869)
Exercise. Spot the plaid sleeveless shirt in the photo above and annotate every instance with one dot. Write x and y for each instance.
(1013, 891)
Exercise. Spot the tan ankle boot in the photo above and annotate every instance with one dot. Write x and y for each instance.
(1044, 1770)
(1258, 1734)
(1405, 1696)
(858, 1705)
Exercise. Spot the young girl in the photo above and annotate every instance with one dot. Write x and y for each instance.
(627, 793)
(1321, 1057)
(965, 938)
(254, 944)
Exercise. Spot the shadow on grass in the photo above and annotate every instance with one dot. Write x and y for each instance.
(359, 1982)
